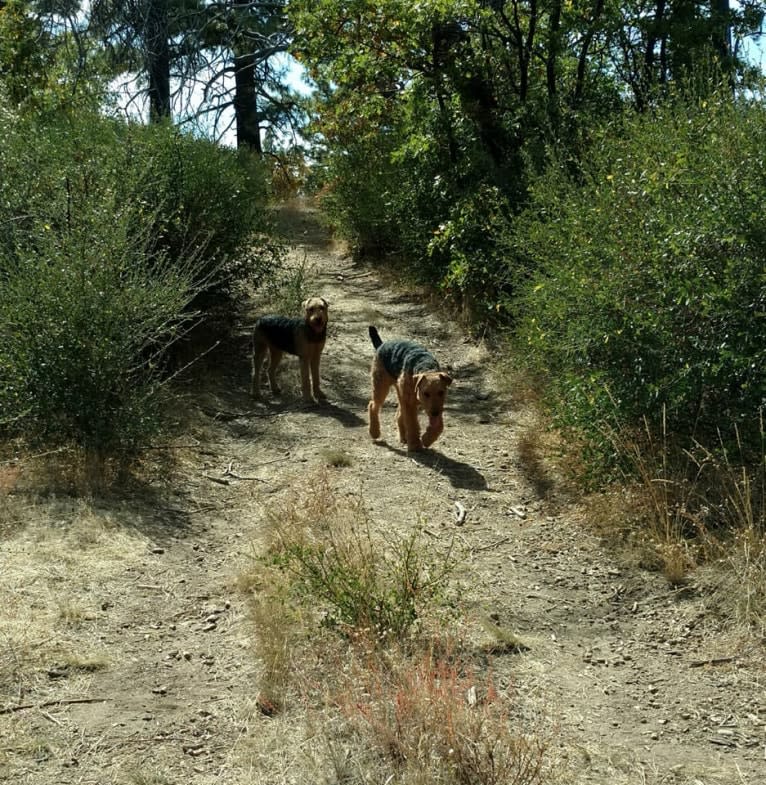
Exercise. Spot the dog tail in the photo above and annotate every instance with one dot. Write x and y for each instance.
(375, 336)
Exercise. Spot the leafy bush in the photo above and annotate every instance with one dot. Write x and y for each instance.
(190, 196)
(201, 199)
(470, 247)
(86, 316)
(111, 235)
(650, 295)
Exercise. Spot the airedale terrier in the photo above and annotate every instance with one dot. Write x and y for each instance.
(419, 382)
(304, 337)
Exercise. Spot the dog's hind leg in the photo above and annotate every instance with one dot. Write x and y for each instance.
(259, 354)
(275, 356)
(381, 384)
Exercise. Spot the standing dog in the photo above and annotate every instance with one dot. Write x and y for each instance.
(419, 382)
(304, 337)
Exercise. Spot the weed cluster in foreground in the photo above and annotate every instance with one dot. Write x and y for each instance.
(362, 583)
(347, 632)
(435, 716)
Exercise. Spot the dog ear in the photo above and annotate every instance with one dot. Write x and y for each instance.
(305, 304)
(446, 378)
(418, 380)
(326, 304)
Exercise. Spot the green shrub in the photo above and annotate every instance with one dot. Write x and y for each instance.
(471, 247)
(201, 199)
(113, 238)
(650, 294)
(361, 584)
(190, 196)
(86, 317)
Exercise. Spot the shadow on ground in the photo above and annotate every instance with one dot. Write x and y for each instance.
(460, 475)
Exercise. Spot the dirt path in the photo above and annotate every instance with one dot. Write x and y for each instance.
(126, 651)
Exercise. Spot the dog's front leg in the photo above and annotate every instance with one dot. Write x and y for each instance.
(318, 394)
(305, 382)
(433, 431)
(409, 422)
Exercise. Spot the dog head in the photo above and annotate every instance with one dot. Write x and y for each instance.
(431, 390)
(315, 309)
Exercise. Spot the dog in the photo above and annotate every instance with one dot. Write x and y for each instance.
(304, 337)
(419, 381)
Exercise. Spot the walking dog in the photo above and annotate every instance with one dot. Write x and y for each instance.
(304, 337)
(419, 381)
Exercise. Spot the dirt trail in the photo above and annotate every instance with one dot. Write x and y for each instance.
(126, 653)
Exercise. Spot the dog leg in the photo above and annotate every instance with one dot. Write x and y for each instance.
(381, 385)
(314, 366)
(259, 353)
(305, 383)
(275, 356)
(433, 431)
(407, 414)
(412, 428)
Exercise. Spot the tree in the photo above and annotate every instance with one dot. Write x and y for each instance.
(156, 32)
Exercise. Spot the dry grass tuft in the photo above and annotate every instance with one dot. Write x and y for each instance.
(361, 583)
(338, 459)
(681, 509)
(435, 718)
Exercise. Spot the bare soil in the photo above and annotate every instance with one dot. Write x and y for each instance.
(126, 650)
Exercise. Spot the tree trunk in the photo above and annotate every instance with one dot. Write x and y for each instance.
(158, 59)
(654, 35)
(721, 14)
(246, 103)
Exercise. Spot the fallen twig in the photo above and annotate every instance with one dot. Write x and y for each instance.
(711, 661)
(61, 702)
(49, 716)
(492, 545)
(219, 480)
(223, 415)
(229, 473)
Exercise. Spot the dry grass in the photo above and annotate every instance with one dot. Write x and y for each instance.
(338, 459)
(682, 509)
(435, 718)
(346, 629)
(50, 582)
